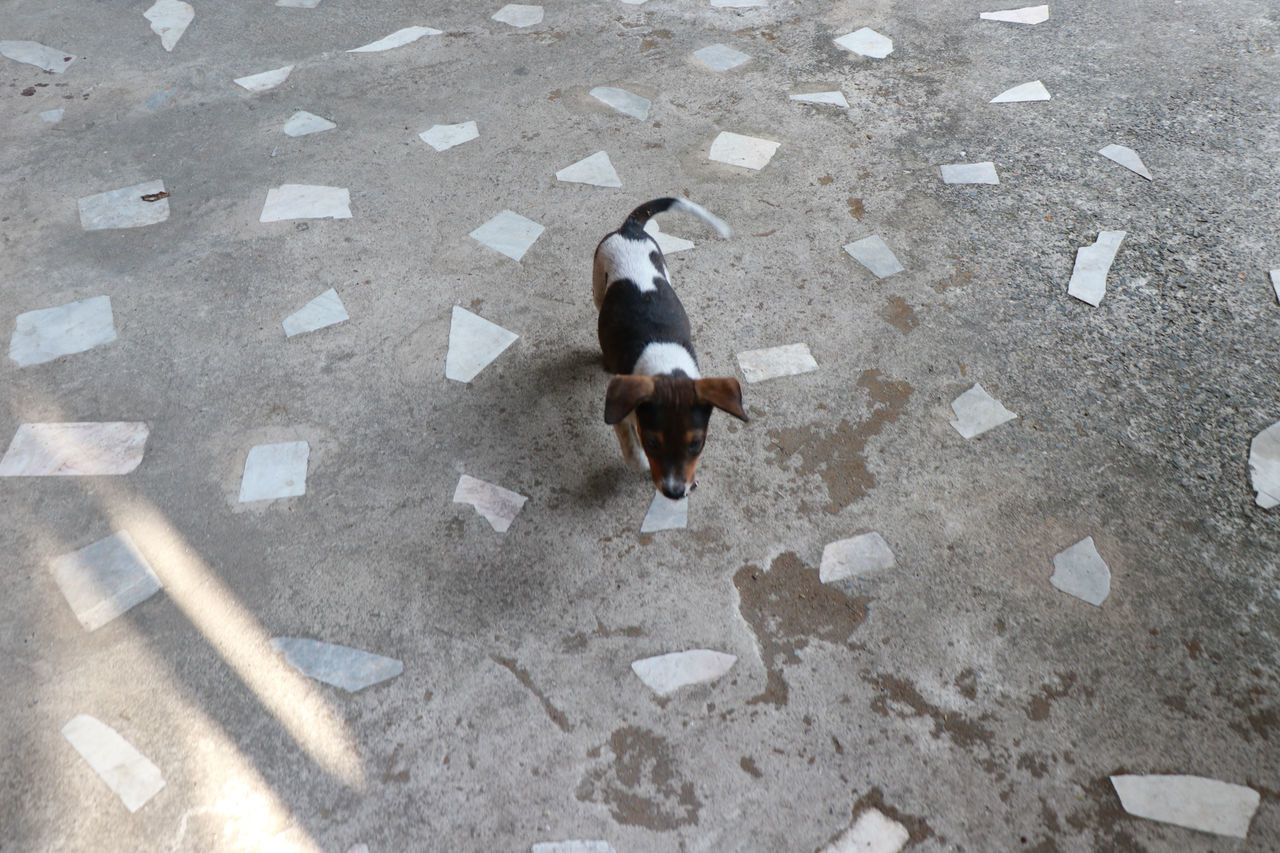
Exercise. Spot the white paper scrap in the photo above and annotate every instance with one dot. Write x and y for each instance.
(1089, 276)
(860, 555)
(1033, 91)
(52, 116)
(264, 80)
(1190, 801)
(867, 42)
(1025, 15)
(875, 255)
(298, 4)
(760, 364)
(666, 674)
(738, 4)
(977, 411)
(74, 449)
(105, 579)
(596, 170)
(126, 771)
(665, 514)
(125, 207)
(668, 243)
(274, 471)
(623, 101)
(721, 57)
(1264, 466)
(445, 136)
(577, 846)
(474, 342)
(508, 233)
(302, 123)
(39, 55)
(399, 38)
(835, 99)
(1081, 571)
(519, 15)
(872, 832)
(306, 201)
(1275, 283)
(750, 152)
(169, 20)
(970, 173)
(325, 310)
(339, 666)
(1126, 157)
(499, 506)
(49, 333)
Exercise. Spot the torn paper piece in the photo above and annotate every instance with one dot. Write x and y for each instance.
(499, 506)
(128, 207)
(49, 333)
(325, 310)
(835, 99)
(298, 4)
(1025, 15)
(873, 254)
(274, 471)
(872, 832)
(849, 558)
(1126, 157)
(738, 4)
(666, 674)
(750, 152)
(970, 173)
(977, 411)
(761, 364)
(508, 233)
(126, 771)
(867, 42)
(74, 449)
(105, 579)
(474, 342)
(169, 20)
(1033, 91)
(52, 116)
(265, 80)
(668, 243)
(1089, 276)
(399, 38)
(444, 136)
(1275, 283)
(721, 57)
(518, 15)
(1264, 466)
(1081, 571)
(623, 101)
(1191, 801)
(34, 53)
(302, 123)
(340, 666)
(665, 514)
(595, 170)
(576, 846)
(306, 201)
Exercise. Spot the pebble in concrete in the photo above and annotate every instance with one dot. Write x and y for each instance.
(508, 233)
(474, 342)
(867, 42)
(306, 201)
(1126, 157)
(499, 506)
(264, 80)
(623, 101)
(519, 15)
(399, 38)
(444, 136)
(169, 20)
(74, 449)
(50, 333)
(273, 471)
(303, 123)
(665, 514)
(721, 57)
(128, 207)
(668, 243)
(970, 173)
(855, 557)
(834, 99)
(39, 55)
(749, 152)
(339, 666)
(977, 411)
(1190, 801)
(1081, 571)
(325, 310)
(872, 832)
(596, 170)
(103, 580)
(874, 254)
(1089, 276)
(789, 360)
(666, 674)
(1025, 15)
(1033, 91)
(126, 771)
(1264, 466)
(576, 846)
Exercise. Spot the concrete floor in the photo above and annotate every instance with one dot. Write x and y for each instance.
(957, 692)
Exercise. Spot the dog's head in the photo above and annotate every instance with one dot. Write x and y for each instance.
(672, 412)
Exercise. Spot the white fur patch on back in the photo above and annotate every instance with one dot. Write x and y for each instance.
(621, 257)
(658, 358)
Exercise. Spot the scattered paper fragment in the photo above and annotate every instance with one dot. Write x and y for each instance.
(499, 506)
(298, 4)
(760, 364)
(169, 20)
(126, 771)
(444, 136)
(52, 116)
(738, 4)
(867, 42)
(668, 243)
(970, 173)
(1190, 801)
(508, 233)
(306, 201)
(1089, 276)
(860, 555)
(1126, 157)
(34, 53)
(1264, 466)
(518, 15)
(274, 471)
(875, 255)
(1275, 283)
(49, 333)
(339, 666)
(474, 342)
(577, 846)
(977, 411)
(750, 152)
(665, 514)
(264, 80)
(1025, 15)
(666, 674)
(721, 57)
(623, 101)
(74, 449)
(872, 832)
(1033, 91)
(1081, 571)
(835, 99)
(399, 38)
(302, 123)
(595, 170)
(105, 579)
(125, 208)
(325, 310)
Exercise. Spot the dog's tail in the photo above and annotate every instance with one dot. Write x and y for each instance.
(642, 214)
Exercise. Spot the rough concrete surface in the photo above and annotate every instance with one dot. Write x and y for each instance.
(957, 693)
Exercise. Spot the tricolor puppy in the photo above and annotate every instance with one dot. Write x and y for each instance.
(659, 404)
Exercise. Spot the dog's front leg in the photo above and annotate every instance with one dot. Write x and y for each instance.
(629, 441)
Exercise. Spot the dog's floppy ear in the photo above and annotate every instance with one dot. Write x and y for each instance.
(725, 394)
(624, 394)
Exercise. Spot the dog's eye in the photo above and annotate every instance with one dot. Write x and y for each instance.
(651, 442)
(695, 446)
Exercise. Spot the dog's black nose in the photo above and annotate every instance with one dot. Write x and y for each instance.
(673, 492)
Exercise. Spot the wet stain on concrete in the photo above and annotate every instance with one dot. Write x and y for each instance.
(918, 829)
(899, 697)
(787, 607)
(749, 767)
(1038, 709)
(1105, 817)
(641, 786)
(961, 277)
(577, 641)
(557, 716)
(899, 314)
(856, 210)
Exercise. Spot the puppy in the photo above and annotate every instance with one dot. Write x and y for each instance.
(658, 403)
